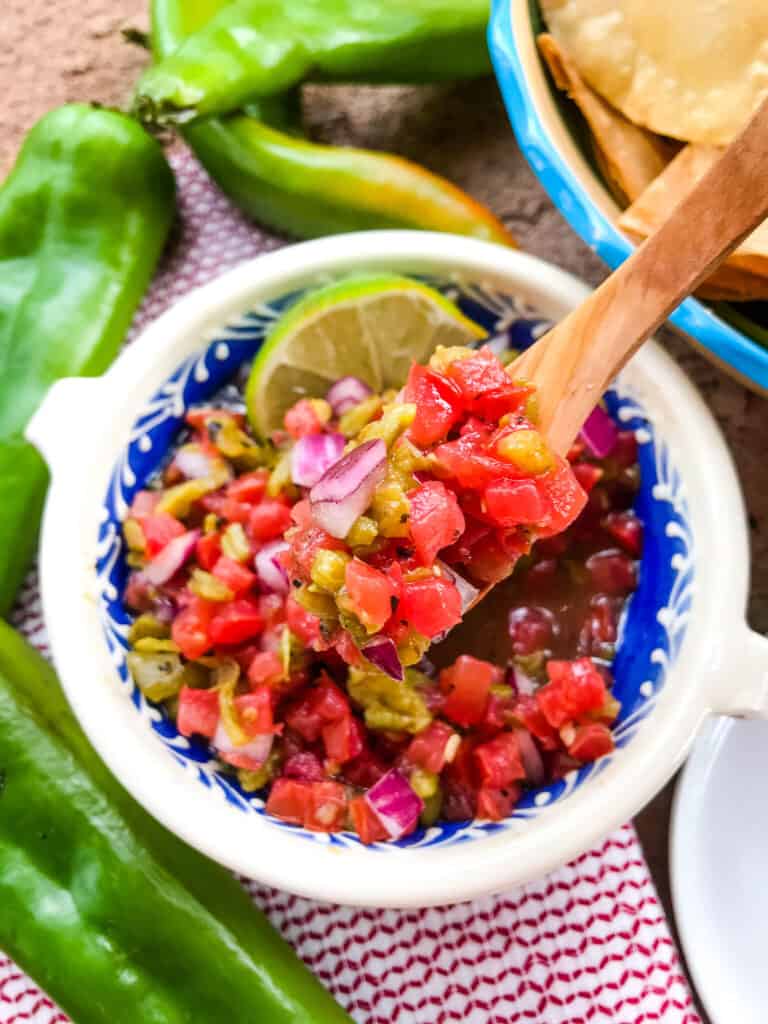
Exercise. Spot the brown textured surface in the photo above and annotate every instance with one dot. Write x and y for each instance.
(73, 49)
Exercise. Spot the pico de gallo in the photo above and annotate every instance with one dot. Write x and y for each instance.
(286, 592)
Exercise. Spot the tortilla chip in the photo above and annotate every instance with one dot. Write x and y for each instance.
(689, 70)
(744, 275)
(628, 156)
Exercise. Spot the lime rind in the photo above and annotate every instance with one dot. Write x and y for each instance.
(369, 326)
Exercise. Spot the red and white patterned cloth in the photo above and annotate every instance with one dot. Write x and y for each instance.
(587, 944)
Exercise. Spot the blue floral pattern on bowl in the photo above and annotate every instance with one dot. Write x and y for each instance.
(651, 632)
(745, 355)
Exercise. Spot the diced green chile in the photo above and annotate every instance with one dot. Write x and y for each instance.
(84, 215)
(387, 703)
(116, 918)
(158, 676)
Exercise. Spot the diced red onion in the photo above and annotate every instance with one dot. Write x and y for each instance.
(395, 804)
(270, 569)
(345, 490)
(347, 393)
(522, 684)
(164, 608)
(531, 758)
(250, 755)
(599, 433)
(467, 592)
(193, 462)
(168, 562)
(313, 454)
(382, 653)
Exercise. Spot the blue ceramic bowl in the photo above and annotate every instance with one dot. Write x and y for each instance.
(554, 140)
(666, 673)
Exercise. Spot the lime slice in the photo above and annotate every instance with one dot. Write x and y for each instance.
(370, 327)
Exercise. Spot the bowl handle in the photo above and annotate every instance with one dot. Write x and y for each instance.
(69, 410)
(742, 686)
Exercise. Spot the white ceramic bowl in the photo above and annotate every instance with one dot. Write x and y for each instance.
(686, 649)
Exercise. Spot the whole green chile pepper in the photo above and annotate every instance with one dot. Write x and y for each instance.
(301, 188)
(84, 215)
(116, 918)
(255, 48)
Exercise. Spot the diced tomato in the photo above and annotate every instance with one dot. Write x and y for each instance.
(627, 529)
(327, 807)
(366, 822)
(198, 418)
(265, 667)
(510, 502)
(574, 688)
(438, 404)
(588, 475)
(317, 707)
(289, 800)
(144, 504)
(302, 419)
(564, 496)
(305, 544)
(496, 804)
(528, 712)
(474, 532)
(498, 761)
(301, 623)
(591, 741)
(269, 520)
(233, 574)
(510, 398)
(208, 550)
(370, 593)
(304, 766)
(343, 739)
(459, 801)
(576, 450)
(466, 685)
(436, 520)
(304, 719)
(430, 606)
(466, 461)
(329, 701)
(254, 711)
(366, 769)
(191, 628)
(198, 712)
(479, 374)
(249, 488)
(489, 562)
(272, 609)
(236, 622)
(158, 529)
(225, 508)
(427, 749)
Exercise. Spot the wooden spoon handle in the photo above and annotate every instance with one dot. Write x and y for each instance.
(575, 361)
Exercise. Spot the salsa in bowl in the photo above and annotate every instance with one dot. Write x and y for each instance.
(662, 676)
(296, 638)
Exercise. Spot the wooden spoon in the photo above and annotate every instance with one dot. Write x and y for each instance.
(573, 364)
